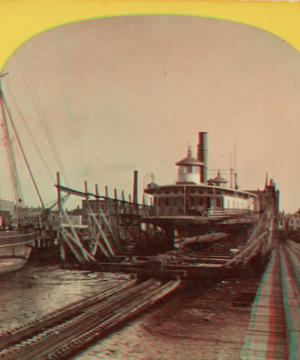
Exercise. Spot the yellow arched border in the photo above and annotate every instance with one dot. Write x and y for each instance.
(21, 20)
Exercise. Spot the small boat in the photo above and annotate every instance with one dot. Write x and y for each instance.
(16, 238)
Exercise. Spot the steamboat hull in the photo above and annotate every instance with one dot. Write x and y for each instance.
(15, 249)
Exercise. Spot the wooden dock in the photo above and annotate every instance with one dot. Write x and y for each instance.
(274, 327)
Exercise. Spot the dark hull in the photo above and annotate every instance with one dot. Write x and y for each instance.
(15, 249)
(196, 241)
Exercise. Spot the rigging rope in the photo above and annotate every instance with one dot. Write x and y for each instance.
(212, 162)
(43, 122)
(29, 132)
(13, 169)
(22, 150)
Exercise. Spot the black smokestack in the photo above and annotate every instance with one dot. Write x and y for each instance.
(202, 155)
(135, 187)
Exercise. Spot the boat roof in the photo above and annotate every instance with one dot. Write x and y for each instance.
(192, 185)
(219, 179)
(189, 161)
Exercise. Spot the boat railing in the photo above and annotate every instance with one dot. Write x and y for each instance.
(197, 211)
(215, 213)
(177, 210)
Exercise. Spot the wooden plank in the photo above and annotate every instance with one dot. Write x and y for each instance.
(262, 355)
(260, 341)
(263, 326)
(146, 272)
(266, 330)
(292, 312)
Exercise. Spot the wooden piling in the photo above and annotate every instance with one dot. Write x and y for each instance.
(117, 212)
(107, 202)
(62, 249)
(135, 187)
(123, 199)
(98, 203)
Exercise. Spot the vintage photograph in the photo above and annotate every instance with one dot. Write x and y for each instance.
(149, 206)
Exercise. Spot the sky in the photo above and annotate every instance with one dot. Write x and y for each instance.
(130, 93)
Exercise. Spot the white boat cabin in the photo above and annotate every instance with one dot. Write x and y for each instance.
(191, 197)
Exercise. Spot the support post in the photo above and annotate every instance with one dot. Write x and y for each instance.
(131, 217)
(98, 204)
(117, 213)
(108, 202)
(184, 201)
(135, 187)
(152, 206)
(101, 232)
(123, 199)
(62, 248)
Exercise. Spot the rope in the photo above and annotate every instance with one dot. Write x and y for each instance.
(213, 163)
(22, 150)
(29, 132)
(13, 169)
(43, 121)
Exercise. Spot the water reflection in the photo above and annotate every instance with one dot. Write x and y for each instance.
(174, 329)
(33, 291)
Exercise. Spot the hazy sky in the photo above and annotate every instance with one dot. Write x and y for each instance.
(128, 93)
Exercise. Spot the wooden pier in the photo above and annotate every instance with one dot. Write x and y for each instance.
(274, 328)
(120, 236)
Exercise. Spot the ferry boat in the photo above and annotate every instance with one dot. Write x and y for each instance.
(196, 205)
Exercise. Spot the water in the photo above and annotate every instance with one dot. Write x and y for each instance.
(35, 291)
(175, 329)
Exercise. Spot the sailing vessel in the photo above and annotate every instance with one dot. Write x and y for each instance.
(16, 239)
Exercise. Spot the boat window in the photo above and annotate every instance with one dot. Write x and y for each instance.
(219, 203)
(192, 202)
(189, 169)
(200, 201)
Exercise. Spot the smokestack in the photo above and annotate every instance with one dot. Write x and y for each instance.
(235, 182)
(135, 187)
(202, 155)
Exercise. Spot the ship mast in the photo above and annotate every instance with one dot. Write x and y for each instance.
(12, 162)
